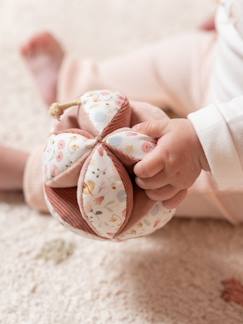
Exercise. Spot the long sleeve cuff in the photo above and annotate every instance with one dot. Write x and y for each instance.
(218, 144)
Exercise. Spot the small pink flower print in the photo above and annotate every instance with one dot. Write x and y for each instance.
(59, 156)
(147, 147)
(61, 144)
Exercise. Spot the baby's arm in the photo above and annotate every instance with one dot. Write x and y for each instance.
(172, 73)
(219, 128)
(210, 139)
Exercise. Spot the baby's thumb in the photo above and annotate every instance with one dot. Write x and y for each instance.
(152, 128)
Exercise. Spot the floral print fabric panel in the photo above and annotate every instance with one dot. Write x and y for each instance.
(104, 199)
(62, 151)
(101, 106)
(156, 218)
(130, 143)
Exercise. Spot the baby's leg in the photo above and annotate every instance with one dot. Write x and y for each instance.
(12, 165)
(201, 201)
(33, 180)
(205, 200)
(172, 73)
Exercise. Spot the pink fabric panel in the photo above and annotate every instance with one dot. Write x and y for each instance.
(121, 119)
(69, 177)
(64, 201)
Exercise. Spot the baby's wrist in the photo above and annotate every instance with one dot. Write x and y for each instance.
(199, 149)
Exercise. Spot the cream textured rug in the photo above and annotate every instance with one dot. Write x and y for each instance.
(49, 275)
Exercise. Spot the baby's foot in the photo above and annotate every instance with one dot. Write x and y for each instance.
(43, 55)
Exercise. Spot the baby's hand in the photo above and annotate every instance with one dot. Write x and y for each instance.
(172, 167)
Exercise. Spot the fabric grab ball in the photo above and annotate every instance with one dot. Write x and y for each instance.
(88, 171)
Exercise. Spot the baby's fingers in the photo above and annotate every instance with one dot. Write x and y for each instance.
(162, 194)
(152, 128)
(150, 165)
(176, 200)
(158, 181)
